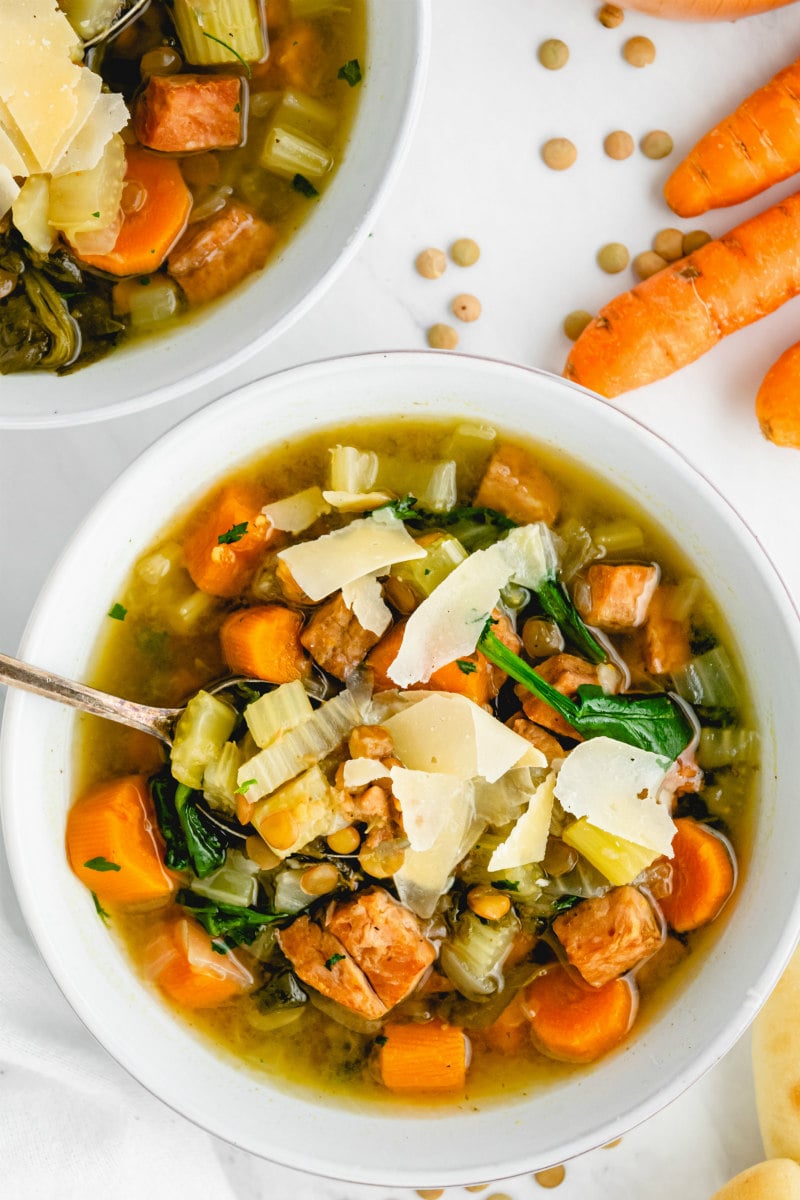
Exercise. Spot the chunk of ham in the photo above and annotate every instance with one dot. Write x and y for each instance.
(369, 955)
(179, 114)
(216, 254)
(616, 596)
(607, 936)
(335, 638)
(514, 485)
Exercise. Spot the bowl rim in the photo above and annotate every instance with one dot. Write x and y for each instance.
(632, 1114)
(418, 15)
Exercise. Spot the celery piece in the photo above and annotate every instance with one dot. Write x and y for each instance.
(234, 883)
(681, 599)
(200, 734)
(275, 713)
(155, 567)
(306, 115)
(90, 17)
(192, 613)
(152, 303)
(618, 537)
(422, 575)
(619, 860)
(307, 743)
(87, 201)
(709, 680)
(219, 780)
(577, 548)
(432, 483)
(289, 896)
(473, 957)
(288, 154)
(352, 470)
(309, 805)
(220, 31)
(30, 213)
(721, 747)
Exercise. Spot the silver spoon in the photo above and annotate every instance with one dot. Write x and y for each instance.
(160, 722)
(128, 11)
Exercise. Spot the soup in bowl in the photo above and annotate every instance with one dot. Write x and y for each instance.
(481, 856)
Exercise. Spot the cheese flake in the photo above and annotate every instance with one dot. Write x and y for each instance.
(9, 189)
(425, 874)
(356, 501)
(618, 788)
(361, 772)
(527, 841)
(295, 513)
(324, 565)
(364, 598)
(427, 802)
(446, 734)
(10, 157)
(88, 142)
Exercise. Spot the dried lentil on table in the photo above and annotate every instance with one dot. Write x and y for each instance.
(551, 1178)
(466, 307)
(431, 263)
(694, 240)
(618, 144)
(656, 144)
(669, 244)
(613, 257)
(553, 54)
(639, 51)
(465, 252)
(442, 337)
(575, 323)
(559, 153)
(610, 15)
(648, 263)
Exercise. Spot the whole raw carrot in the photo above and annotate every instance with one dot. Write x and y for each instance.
(704, 10)
(778, 400)
(753, 148)
(673, 317)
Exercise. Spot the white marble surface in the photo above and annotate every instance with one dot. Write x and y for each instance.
(474, 170)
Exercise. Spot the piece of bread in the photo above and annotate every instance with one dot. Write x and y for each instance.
(776, 1179)
(776, 1066)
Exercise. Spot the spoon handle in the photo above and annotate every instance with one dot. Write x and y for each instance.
(157, 721)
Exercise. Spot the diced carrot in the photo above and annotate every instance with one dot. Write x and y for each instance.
(184, 964)
(112, 845)
(264, 642)
(510, 1033)
(474, 679)
(423, 1057)
(151, 225)
(295, 60)
(703, 876)
(573, 1022)
(223, 546)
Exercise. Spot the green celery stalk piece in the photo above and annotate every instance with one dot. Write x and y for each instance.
(652, 723)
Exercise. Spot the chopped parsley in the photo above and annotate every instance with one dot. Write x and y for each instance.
(234, 534)
(506, 885)
(350, 72)
(101, 864)
(304, 186)
(95, 214)
(381, 1039)
(466, 667)
(564, 903)
(101, 912)
(243, 787)
(331, 962)
(118, 612)
(232, 50)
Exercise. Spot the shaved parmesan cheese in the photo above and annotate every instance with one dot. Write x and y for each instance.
(86, 148)
(30, 213)
(361, 772)
(9, 190)
(324, 565)
(618, 788)
(527, 841)
(10, 158)
(446, 734)
(356, 501)
(295, 513)
(427, 803)
(364, 598)
(425, 874)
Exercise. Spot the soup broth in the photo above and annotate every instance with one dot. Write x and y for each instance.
(373, 954)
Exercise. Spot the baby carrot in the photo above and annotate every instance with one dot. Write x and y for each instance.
(573, 1022)
(152, 225)
(223, 546)
(427, 1056)
(754, 147)
(112, 846)
(264, 642)
(673, 317)
(703, 876)
(778, 401)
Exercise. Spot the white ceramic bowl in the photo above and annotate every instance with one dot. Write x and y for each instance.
(416, 1147)
(139, 375)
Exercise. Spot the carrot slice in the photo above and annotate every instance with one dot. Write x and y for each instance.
(510, 1033)
(112, 845)
(223, 546)
(573, 1022)
(474, 678)
(429, 1057)
(703, 876)
(264, 642)
(152, 226)
(184, 964)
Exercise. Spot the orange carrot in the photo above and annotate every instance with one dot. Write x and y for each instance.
(423, 1057)
(295, 60)
(703, 876)
(222, 547)
(778, 401)
(573, 1022)
(510, 1033)
(474, 679)
(112, 846)
(673, 317)
(182, 961)
(754, 147)
(704, 10)
(264, 642)
(156, 207)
